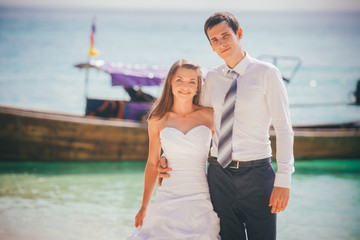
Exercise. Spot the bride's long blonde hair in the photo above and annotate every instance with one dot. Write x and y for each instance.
(165, 102)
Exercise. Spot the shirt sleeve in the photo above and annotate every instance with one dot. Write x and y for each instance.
(205, 95)
(278, 105)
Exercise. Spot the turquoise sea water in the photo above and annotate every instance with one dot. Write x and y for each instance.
(99, 200)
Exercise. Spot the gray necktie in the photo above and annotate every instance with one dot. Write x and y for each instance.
(227, 123)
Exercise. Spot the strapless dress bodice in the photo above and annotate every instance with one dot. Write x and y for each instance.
(187, 156)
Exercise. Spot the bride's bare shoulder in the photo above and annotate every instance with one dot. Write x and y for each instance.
(158, 123)
(206, 111)
(206, 115)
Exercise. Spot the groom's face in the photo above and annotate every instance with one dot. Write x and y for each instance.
(224, 41)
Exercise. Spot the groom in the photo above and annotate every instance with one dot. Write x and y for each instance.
(247, 95)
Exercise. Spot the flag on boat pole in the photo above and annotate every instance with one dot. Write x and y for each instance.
(93, 51)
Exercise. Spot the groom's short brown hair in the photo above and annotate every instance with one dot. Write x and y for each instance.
(219, 17)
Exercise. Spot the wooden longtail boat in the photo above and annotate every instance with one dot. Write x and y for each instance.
(29, 135)
(109, 131)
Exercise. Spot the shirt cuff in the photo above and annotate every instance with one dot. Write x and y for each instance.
(282, 180)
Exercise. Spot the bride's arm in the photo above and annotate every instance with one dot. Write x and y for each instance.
(151, 173)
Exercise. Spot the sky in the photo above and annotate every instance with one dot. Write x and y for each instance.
(231, 5)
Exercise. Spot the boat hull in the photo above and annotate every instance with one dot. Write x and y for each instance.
(324, 143)
(30, 135)
(43, 136)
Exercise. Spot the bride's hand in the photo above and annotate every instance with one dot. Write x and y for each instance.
(140, 217)
(162, 169)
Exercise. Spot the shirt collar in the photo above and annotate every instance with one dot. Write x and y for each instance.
(241, 67)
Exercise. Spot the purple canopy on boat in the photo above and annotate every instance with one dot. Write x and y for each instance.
(128, 75)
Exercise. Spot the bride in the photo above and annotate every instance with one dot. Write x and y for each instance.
(182, 208)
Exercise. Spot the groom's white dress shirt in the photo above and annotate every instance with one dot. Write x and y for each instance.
(261, 101)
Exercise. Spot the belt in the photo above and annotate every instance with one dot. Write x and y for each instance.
(236, 164)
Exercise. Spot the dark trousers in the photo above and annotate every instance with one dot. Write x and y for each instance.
(241, 199)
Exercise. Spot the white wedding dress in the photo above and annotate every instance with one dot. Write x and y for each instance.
(182, 209)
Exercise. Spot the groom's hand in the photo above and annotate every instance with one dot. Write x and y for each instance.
(279, 199)
(162, 169)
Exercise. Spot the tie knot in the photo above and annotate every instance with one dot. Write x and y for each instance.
(232, 74)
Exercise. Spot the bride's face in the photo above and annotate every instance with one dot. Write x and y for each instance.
(184, 83)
